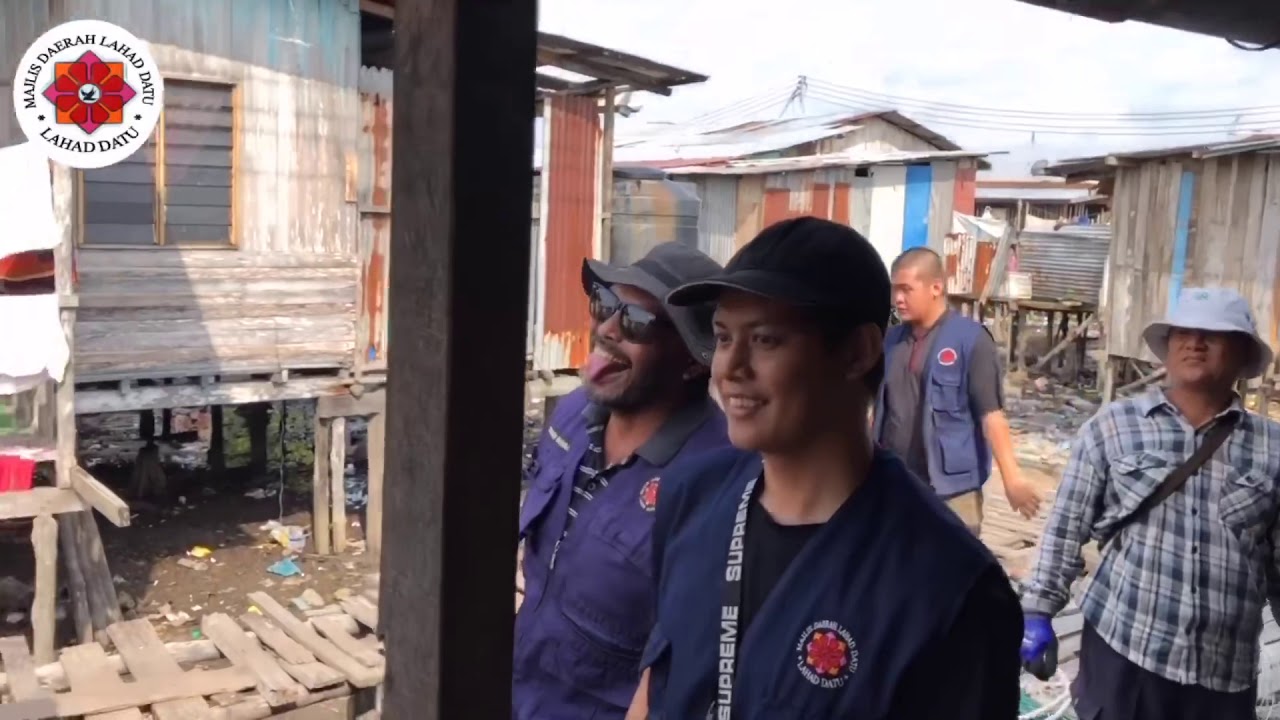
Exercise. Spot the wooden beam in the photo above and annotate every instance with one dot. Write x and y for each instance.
(348, 405)
(376, 8)
(321, 531)
(44, 544)
(1071, 337)
(39, 501)
(198, 395)
(463, 100)
(100, 497)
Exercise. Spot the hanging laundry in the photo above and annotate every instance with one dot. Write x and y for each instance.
(26, 201)
(35, 349)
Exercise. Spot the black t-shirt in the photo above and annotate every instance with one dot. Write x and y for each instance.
(768, 550)
(969, 673)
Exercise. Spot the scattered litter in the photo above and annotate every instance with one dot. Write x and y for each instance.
(178, 619)
(261, 493)
(193, 564)
(285, 568)
(290, 537)
(196, 634)
(254, 609)
(199, 551)
(14, 618)
(342, 594)
(196, 608)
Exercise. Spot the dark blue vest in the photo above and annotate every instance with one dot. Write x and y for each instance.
(958, 455)
(883, 578)
(583, 623)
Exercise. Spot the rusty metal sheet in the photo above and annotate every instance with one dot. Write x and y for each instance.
(572, 194)
(371, 338)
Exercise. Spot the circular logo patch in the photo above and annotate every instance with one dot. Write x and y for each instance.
(826, 654)
(649, 495)
(947, 356)
(88, 94)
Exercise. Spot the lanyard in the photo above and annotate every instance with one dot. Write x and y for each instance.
(730, 607)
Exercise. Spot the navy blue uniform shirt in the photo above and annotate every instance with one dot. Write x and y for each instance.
(891, 609)
(588, 608)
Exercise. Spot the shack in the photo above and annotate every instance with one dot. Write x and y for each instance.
(1186, 216)
(241, 257)
(898, 199)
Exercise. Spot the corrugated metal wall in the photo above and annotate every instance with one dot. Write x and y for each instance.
(872, 200)
(374, 197)
(718, 216)
(1228, 236)
(573, 197)
(1066, 264)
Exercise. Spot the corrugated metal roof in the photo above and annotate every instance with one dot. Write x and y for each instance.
(1041, 194)
(742, 140)
(816, 162)
(1101, 164)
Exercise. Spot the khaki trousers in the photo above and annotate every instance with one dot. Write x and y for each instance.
(968, 507)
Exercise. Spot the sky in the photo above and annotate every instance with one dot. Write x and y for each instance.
(1000, 54)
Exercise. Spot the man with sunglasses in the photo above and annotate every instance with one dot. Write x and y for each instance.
(594, 483)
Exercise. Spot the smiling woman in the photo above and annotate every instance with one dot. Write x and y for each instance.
(804, 521)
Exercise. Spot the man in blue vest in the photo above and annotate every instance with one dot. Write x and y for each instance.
(594, 484)
(940, 407)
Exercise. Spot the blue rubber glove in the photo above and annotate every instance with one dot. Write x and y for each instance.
(1039, 646)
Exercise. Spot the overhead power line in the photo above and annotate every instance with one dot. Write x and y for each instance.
(996, 125)
(960, 108)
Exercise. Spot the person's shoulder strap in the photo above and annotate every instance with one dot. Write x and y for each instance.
(1179, 476)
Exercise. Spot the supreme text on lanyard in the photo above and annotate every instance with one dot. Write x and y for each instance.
(730, 609)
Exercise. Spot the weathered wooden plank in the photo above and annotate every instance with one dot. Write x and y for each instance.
(338, 482)
(196, 395)
(54, 676)
(39, 501)
(100, 497)
(90, 260)
(273, 682)
(369, 403)
(192, 684)
(273, 637)
(255, 708)
(153, 667)
(336, 630)
(291, 296)
(210, 312)
(44, 544)
(21, 670)
(198, 276)
(375, 452)
(201, 361)
(215, 336)
(362, 609)
(250, 290)
(356, 673)
(90, 672)
(321, 528)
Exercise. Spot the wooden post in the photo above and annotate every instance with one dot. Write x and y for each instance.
(321, 484)
(464, 98)
(76, 587)
(217, 442)
(1108, 372)
(147, 425)
(44, 543)
(338, 482)
(375, 451)
(256, 418)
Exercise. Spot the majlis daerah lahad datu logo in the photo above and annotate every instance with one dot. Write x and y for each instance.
(88, 94)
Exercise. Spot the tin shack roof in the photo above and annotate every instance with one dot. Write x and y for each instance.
(1042, 190)
(1103, 165)
(597, 67)
(851, 159)
(689, 143)
(1241, 20)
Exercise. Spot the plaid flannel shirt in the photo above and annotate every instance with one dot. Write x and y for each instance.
(1180, 592)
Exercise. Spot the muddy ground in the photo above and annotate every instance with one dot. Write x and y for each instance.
(230, 514)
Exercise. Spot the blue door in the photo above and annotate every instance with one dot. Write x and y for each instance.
(915, 211)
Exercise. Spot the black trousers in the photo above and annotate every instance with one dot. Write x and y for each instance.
(1109, 687)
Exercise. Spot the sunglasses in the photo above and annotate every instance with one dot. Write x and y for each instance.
(638, 325)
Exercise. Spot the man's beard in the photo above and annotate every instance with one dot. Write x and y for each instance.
(642, 389)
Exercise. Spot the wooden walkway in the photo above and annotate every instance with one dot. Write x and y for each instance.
(267, 663)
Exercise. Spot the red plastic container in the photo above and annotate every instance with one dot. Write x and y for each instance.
(16, 473)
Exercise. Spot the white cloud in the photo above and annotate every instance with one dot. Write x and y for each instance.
(987, 53)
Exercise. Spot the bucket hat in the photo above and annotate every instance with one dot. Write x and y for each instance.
(663, 269)
(1219, 310)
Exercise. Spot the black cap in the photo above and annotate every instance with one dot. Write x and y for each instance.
(804, 261)
(664, 268)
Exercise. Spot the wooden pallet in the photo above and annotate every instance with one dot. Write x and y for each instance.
(267, 663)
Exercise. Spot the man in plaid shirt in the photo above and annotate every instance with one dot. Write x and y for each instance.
(1174, 612)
